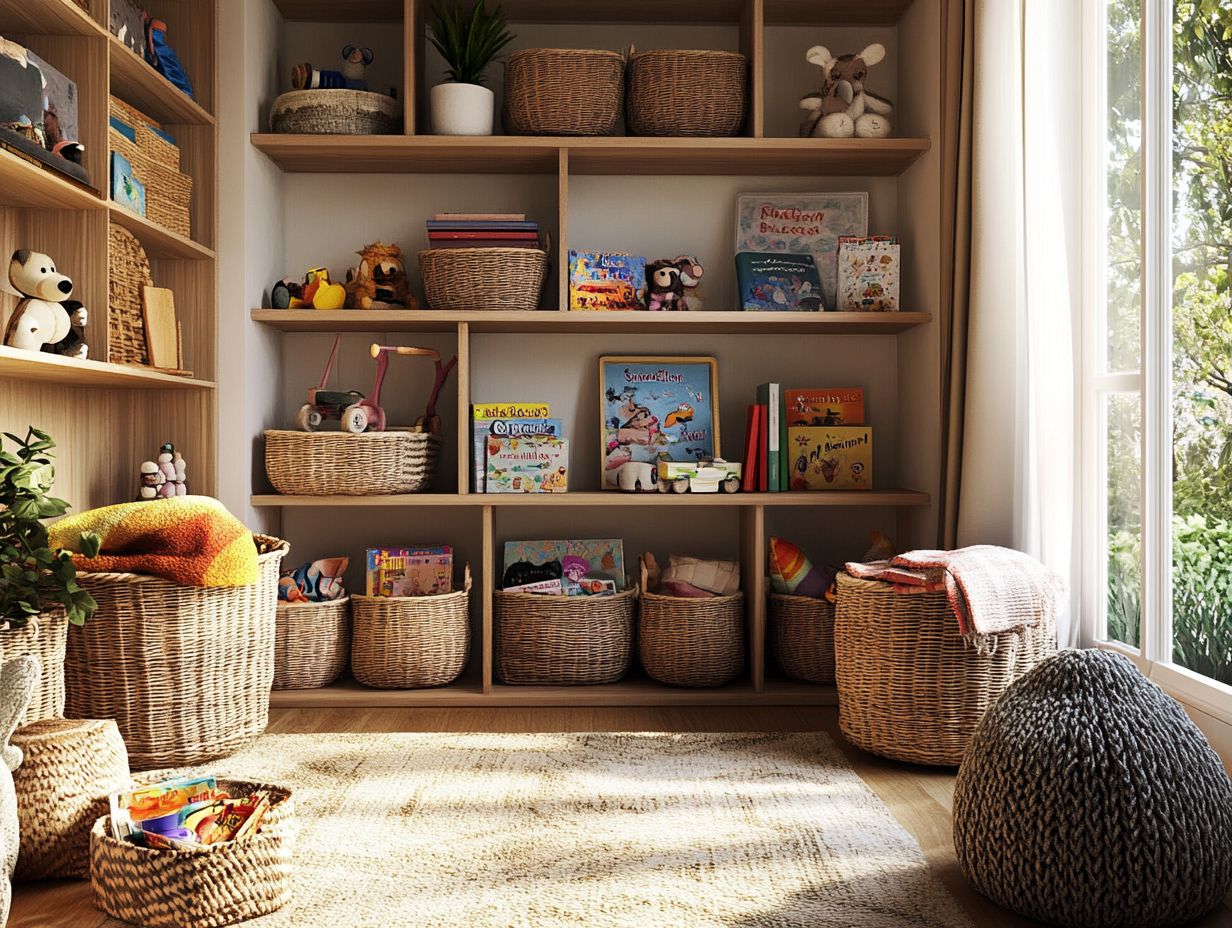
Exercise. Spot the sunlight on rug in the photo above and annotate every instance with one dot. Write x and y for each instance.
(554, 830)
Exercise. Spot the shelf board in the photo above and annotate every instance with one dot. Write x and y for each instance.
(820, 498)
(353, 11)
(157, 241)
(136, 83)
(624, 155)
(46, 17)
(25, 184)
(41, 367)
(835, 12)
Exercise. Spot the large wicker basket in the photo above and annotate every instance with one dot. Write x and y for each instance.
(410, 642)
(802, 636)
(156, 163)
(563, 91)
(185, 671)
(336, 112)
(483, 278)
(695, 93)
(128, 271)
(563, 640)
(312, 643)
(217, 885)
(44, 636)
(342, 464)
(691, 642)
(910, 687)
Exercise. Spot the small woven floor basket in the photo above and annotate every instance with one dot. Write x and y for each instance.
(312, 643)
(45, 637)
(217, 885)
(483, 278)
(563, 91)
(336, 112)
(802, 637)
(342, 464)
(129, 271)
(691, 642)
(563, 640)
(910, 687)
(185, 671)
(411, 642)
(690, 93)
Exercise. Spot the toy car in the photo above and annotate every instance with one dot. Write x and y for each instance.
(709, 475)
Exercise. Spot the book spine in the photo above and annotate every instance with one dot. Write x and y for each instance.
(774, 407)
(438, 226)
(763, 477)
(456, 236)
(749, 478)
(784, 446)
(479, 217)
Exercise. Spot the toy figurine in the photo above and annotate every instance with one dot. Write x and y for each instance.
(166, 477)
(667, 280)
(379, 282)
(349, 77)
(46, 319)
(842, 108)
(152, 480)
(285, 292)
(317, 291)
(637, 476)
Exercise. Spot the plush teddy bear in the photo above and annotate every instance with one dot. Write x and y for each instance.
(46, 319)
(380, 280)
(843, 108)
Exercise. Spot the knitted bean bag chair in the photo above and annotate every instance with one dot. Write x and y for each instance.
(1088, 798)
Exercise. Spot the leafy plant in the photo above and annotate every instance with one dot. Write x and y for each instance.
(468, 41)
(32, 575)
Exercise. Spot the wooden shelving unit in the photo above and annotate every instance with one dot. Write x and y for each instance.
(590, 500)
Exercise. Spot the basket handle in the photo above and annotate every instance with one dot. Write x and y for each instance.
(466, 576)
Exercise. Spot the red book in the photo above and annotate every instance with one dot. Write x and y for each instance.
(749, 478)
(484, 243)
(480, 217)
(457, 236)
(763, 472)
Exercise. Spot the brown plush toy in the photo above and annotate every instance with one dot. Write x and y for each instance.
(380, 280)
(843, 108)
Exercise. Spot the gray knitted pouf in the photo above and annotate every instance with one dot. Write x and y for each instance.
(1088, 798)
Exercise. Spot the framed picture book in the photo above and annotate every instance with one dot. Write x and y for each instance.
(653, 407)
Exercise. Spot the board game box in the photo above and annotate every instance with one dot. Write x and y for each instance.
(831, 458)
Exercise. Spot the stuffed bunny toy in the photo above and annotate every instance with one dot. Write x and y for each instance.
(843, 108)
(18, 679)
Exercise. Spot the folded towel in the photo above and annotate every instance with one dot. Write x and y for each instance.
(191, 540)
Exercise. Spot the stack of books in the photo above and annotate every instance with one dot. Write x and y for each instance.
(482, 230)
(807, 439)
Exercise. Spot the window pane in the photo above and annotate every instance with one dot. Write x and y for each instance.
(1124, 204)
(1123, 413)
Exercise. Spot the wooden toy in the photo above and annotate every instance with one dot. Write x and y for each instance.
(708, 475)
(46, 319)
(379, 282)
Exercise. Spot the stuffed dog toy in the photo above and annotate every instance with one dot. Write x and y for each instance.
(46, 319)
(843, 108)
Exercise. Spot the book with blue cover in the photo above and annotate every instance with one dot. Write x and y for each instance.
(778, 282)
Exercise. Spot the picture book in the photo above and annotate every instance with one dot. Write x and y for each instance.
(415, 571)
(831, 458)
(507, 428)
(572, 562)
(802, 224)
(527, 464)
(833, 406)
(125, 188)
(778, 282)
(482, 417)
(868, 274)
(770, 397)
(602, 281)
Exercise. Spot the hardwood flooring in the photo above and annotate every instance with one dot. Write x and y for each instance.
(920, 798)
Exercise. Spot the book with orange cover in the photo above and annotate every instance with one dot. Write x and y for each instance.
(815, 408)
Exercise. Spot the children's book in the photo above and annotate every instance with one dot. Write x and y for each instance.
(125, 188)
(510, 428)
(770, 397)
(748, 482)
(603, 281)
(868, 274)
(831, 458)
(570, 561)
(527, 464)
(778, 282)
(482, 417)
(835, 406)
(763, 446)
(479, 217)
(417, 571)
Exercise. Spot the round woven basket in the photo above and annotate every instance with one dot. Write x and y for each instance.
(563, 91)
(910, 687)
(802, 636)
(312, 643)
(691, 642)
(695, 93)
(185, 671)
(563, 640)
(129, 271)
(68, 769)
(342, 464)
(483, 278)
(45, 637)
(217, 885)
(336, 112)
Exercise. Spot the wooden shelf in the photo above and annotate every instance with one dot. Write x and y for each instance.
(835, 12)
(46, 17)
(624, 155)
(157, 241)
(135, 82)
(41, 367)
(832, 498)
(28, 185)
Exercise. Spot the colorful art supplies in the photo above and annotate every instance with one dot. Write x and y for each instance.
(409, 571)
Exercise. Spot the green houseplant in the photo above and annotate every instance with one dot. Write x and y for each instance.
(468, 40)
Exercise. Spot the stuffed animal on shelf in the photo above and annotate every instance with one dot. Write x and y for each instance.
(668, 281)
(843, 109)
(350, 77)
(46, 319)
(637, 476)
(317, 291)
(379, 282)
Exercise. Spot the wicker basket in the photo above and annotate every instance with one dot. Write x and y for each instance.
(483, 278)
(696, 93)
(802, 636)
(342, 464)
(156, 163)
(217, 885)
(691, 642)
(44, 636)
(312, 644)
(336, 112)
(68, 769)
(563, 640)
(128, 271)
(152, 145)
(185, 671)
(563, 91)
(910, 687)
(411, 642)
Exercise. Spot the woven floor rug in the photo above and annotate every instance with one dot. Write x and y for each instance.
(595, 830)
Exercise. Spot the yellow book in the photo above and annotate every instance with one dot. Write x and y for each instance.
(831, 457)
(510, 411)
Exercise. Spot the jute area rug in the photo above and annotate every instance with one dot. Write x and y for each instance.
(595, 830)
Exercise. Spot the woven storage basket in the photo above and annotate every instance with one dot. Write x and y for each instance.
(185, 671)
(683, 641)
(697, 93)
(312, 643)
(802, 636)
(483, 278)
(336, 112)
(910, 687)
(411, 642)
(339, 463)
(44, 636)
(218, 885)
(128, 271)
(151, 144)
(563, 91)
(69, 767)
(563, 640)
(168, 192)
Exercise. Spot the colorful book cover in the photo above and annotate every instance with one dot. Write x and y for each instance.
(831, 458)
(527, 464)
(802, 224)
(507, 428)
(125, 188)
(868, 274)
(597, 558)
(482, 416)
(413, 571)
(778, 283)
(835, 406)
(602, 281)
(769, 396)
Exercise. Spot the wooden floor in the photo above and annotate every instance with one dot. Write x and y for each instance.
(920, 798)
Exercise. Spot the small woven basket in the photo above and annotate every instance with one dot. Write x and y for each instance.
(128, 271)
(342, 464)
(185, 671)
(336, 112)
(684, 641)
(563, 640)
(483, 278)
(802, 637)
(411, 642)
(156, 163)
(45, 637)
(217, 885)
(563, 91)
(910, 687)
(312, 643)
(686, 93)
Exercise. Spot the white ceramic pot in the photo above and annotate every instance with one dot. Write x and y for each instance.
(462, 109)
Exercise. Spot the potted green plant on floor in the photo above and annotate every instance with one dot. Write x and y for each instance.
(468, 41)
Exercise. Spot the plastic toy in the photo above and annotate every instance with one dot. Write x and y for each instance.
(349, 77)
(708, 475)
(46, 319)
(842, 108)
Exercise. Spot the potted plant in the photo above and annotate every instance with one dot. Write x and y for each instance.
(468, 41)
